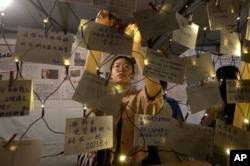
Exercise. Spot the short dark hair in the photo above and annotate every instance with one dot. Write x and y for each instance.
(131, 61)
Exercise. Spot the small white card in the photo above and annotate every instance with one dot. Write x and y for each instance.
(238, 91)
(98, 37)
(150, 129)
(88, 135)
(33, 45)
(226, 60)
(123, 7)
(168, 68)
(203, 96)
(221, 17)
(230, 43)
(187, 34)
(199, 68)
(190, 139)
(27, 153)
(228, 136)
(17, 99)
(95, 92)
(148, 19)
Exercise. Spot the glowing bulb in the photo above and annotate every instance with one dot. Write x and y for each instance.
(246, 121)
(238, 18)
(205, 28)
(122, 158)
(146, 62)
(206, 114)
(45, 20)
(66, 62)
(12, 148)
(5, 4)
(170, 40)
(42, 106)
(228, 151)
(16, 60)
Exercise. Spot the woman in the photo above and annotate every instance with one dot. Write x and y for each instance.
(146, 101)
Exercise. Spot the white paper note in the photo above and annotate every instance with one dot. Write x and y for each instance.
(168, 68)
(230, 43)
(93, 91)
(88, 135)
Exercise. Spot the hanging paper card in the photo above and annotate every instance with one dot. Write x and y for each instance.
(16, 99)
(204, 96)
(230, 43)
(147, 21)
(187, 34)
(167, 68)
(238, 91)
(150, 129)
(17, 152)
(88, 135)
(104, 38)
(6, 60)
(226, 60)
(190, 139)
(199, 68)
(35, 45)
(169, 47)
(93, 91)
(123, 7)
(228, 136)
(223, 16)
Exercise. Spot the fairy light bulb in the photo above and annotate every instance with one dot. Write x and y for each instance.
(246, 121)
(122, 158)
(146, 62)
(42, 106)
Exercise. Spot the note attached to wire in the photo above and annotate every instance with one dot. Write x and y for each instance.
(35, 45)
(17, 99)
(95, 92)
(201, 97)
(18, 151)
(168, 68)
(88, 135)
(199, 68)
(230, 43)
(190, 139)
(98, 37)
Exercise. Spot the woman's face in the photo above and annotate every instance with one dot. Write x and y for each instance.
(122, 72)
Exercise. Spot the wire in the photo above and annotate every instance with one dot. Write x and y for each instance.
(50, 128)
(53, 155)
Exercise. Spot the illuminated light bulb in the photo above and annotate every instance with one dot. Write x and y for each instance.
(238, 18)
(122, 158)
(170, 40)
(227, 151)
(221, 80)
(45, 20)
(205, 28)
(97, 68)
(246, 121)
(16, 59)
(5, 4)
(186, 6)
(232, 10)
(146, 62)
(2, 14)
(12, 148)
(42, 106)
(205, 114)
(66, 62)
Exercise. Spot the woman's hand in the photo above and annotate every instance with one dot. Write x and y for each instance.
(133, 29)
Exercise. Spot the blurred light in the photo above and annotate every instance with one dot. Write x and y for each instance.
(205, 28)
(122, 158)
(12, 148)
(146, 62)
(66, 62)
(246, 121)
(227, 151)
(238, 18)
(42, 106)
(5, 4)
(16, 59)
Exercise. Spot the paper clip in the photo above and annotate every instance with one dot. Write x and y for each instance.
(10, 140)
(11, 80)
(152, 6)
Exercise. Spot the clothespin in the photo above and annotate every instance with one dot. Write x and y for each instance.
(190, 19)
(152, 6)
(10, 140)
(11, 80)
(217, 3)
